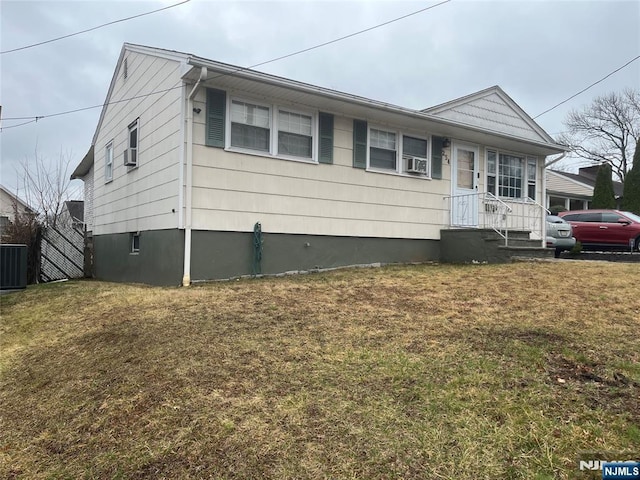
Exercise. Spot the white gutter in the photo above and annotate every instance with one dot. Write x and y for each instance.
(230, 70)
(186, 278)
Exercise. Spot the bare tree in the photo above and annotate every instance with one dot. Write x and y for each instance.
(606, 131)
(45, 185)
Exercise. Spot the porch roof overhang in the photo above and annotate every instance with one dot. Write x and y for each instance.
(265, 86)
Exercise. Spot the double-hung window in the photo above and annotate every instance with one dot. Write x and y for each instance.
(295, 134)
(131, 153)
(492, 162)
(511, 175)
(267, 129)
(383, 150)
(532, 165)
(108, 162)
(250, 126)
(387, 151)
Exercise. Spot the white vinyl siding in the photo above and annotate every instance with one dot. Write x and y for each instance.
(144, 198)
(88, 199)
(559, 184)
(233, 190)
(493, 111)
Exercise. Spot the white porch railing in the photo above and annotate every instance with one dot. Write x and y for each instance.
(529, 215)
(485, 210)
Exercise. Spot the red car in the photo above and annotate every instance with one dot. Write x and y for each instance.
(605, 229)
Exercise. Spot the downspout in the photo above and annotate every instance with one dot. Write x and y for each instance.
(544, 176)
(555, 160)
(186, 278)
(183, 154)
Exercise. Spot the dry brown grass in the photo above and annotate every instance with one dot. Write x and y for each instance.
(400, 372)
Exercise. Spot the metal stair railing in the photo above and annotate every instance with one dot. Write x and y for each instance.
(492, 212)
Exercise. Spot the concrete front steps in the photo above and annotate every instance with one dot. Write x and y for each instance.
(478, 245)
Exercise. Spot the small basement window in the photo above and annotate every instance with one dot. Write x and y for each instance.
(135, 243)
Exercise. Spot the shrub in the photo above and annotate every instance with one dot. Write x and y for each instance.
(631, 195)
(577, 248)
(555, 209)
(603, 195)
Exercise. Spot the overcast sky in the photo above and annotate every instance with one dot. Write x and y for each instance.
(539, 52)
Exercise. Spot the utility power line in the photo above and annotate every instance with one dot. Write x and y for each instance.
(237, 70)
(19, 124)
(587, 88)
(92, 28)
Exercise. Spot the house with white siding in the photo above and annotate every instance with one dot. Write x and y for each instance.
(201, 170)
(10, 205)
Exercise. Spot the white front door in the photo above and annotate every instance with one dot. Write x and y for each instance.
(464, 204)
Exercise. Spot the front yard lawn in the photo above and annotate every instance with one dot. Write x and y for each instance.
(417, 372)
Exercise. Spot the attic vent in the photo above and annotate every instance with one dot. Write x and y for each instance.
(125, 69)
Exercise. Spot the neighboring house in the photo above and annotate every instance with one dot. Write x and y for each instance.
(189, 154)
(10, 203)
(72, 214)
(574, 191)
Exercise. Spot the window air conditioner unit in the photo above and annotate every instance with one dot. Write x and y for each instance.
(417, 165)
(129, 158)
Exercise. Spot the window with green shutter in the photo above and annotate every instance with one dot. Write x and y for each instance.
(326, 138)
(360, 144)
(383, 150)
(295, 134)
(216, 109)
(436, 156)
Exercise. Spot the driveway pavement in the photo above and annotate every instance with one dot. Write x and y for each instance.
(626, 257)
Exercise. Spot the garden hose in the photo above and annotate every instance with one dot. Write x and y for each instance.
(257, 249)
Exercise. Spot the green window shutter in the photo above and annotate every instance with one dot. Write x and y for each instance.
(326, 138)
(436, 156)
(359, 144)
(216, 109)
